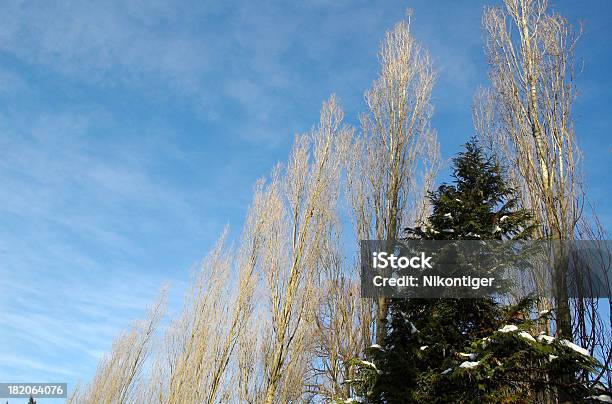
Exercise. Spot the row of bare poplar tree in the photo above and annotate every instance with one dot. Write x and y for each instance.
(276, 315)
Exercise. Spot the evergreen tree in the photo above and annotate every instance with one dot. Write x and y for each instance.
(31, 400)
(470, 350)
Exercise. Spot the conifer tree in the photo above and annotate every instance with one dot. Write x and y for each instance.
(470, 350)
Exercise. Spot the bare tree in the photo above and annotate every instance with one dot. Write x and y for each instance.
(223, 338)
(386, 163)
(531, 60)
(193, 340)
(270, 315)
(119, 372)
(302, 210)
(526, 117)
(343, 321)
(200, 345)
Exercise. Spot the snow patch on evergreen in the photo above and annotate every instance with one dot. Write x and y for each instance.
(508, 328)
(575, 347)
(545, 338)
(368, 364)
(526, 335)
(469, 365)
(424, 347)
(353, 400)
(447, 371)
(471, 356)
(603, 398)
(552, 357)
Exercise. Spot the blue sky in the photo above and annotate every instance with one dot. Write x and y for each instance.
(131, 132)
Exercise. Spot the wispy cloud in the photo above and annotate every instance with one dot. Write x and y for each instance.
(78, 221)
(235, 61)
